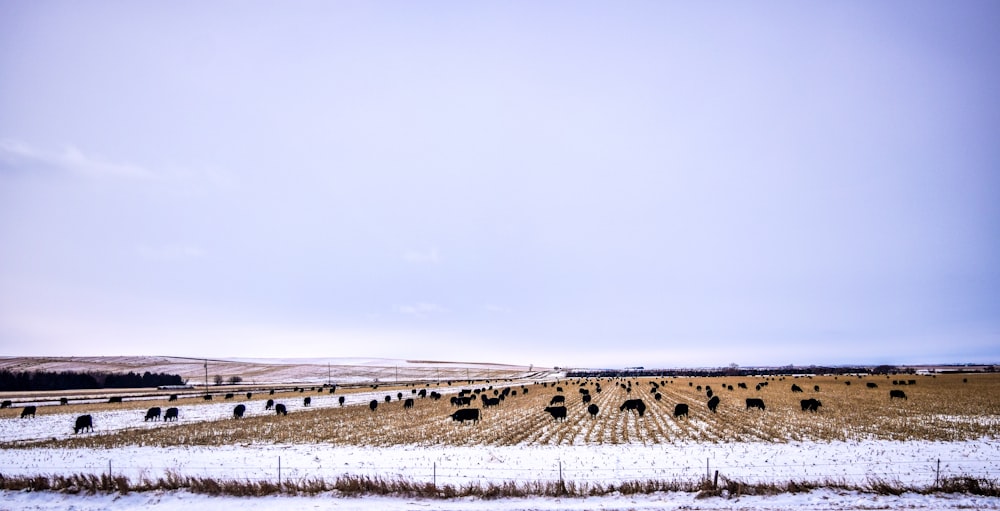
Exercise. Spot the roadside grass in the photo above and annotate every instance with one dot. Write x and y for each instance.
(359, 486)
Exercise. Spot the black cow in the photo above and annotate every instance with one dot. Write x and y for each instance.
(408, 403)
(742, 385)
(796, 388)
(269, 404)
(341, 400)
(657, 396)
(230, 395)
(815, 388)
(634, 404)
(811, 405)
(557, 412)
(871, 385)
(83, 422)
(893, 394)
(28, 411)
(388, 399)
(708, 393)
(491, 402)
(271, 393)
(115, 399)
(753, 402)
(6, 404)
(399, 396)
(422, 393)
(758, 387)
(592, 410)
(713, 403)
(170, 414)
(63, 401)
(307, 401)
(467, 414)
(279, 409)
(373, 405)
(557, 399)
(586, 398)
(173, 397)
(208, 397)
(680, 410)
(238, 411)
(152, 413)
(249, 395)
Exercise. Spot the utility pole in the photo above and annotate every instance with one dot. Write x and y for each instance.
(206, 374)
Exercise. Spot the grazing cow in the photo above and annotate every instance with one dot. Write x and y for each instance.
(592, 410)
(557, 412)
(249, 395)
(271, 393)
(912, 382)
(708, 393)
(796, 388)
(467, 414)
(83, 422)
(238, 411)
(170, 414)
(152, 413)
(742, 385)
(6, 403)
(657, 396)
(373, 405)
(28, 411)
(634, 404)
(208, 397)
(63, 401)
(815, 388)
(408, 403)
(559, 389)
(279, 409)
(230, 395)
(713, 403)
(173, 397)
(422, 393)
(115, 399)
(269, 404)
(893, 394)
(753, 402)
(758, 387)
(557, 399)
(811, 405)
(491, 402)
(307, 401)
(399, 396)
(584, 391)
(847, 382)
(388, 399)
(586, 398)
(871, 385)
(341, 400)
(680, 410)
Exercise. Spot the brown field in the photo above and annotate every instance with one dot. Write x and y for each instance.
(940, 408)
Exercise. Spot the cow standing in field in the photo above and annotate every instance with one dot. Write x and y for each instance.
(466, 414)
(170, 414)
(557, 399)
(893, 394)
(153, 413)
(373, 405)
(279, 409)
(341, 400)
(753, 402)
(810, 405)
(557, 412)
(28, 411)
(681, 410)
(796, 388)
(713, 403)
(269, 404)
(83, 422)
(239, 411)
(409, 403)
(173, 397)
(871, 385)
(634, 404)
(230, 395)
(593, 410)
(6, 404)
(115, 399)
(307, 401)
(586, 398)
(63, 401)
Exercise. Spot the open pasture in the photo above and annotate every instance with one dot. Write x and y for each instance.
(941, 408)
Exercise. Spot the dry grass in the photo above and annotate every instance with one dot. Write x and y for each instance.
(938, 409)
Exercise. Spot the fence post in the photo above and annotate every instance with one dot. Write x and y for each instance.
(435, 483)
(279, 473)
(708, 473)
(937, 475)
(109, 468)
(560, 473)
(715, 482)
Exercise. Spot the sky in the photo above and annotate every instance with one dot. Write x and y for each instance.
(573, 184)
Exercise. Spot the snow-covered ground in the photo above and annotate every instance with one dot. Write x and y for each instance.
(912, 463)
(817, 500)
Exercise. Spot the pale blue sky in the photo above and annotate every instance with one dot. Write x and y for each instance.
(556, 183)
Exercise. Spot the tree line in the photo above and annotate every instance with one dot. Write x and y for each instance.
(70, 380)
(734, 371)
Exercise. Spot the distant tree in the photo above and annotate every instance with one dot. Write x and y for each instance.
(218, 379)
(233, 380)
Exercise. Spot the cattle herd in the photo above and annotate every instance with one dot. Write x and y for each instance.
(471, 401)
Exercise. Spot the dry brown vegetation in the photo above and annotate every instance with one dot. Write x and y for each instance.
(941, 408)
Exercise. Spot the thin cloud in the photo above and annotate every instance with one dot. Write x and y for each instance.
(72, 160)
(429, 256)
(422, 310)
